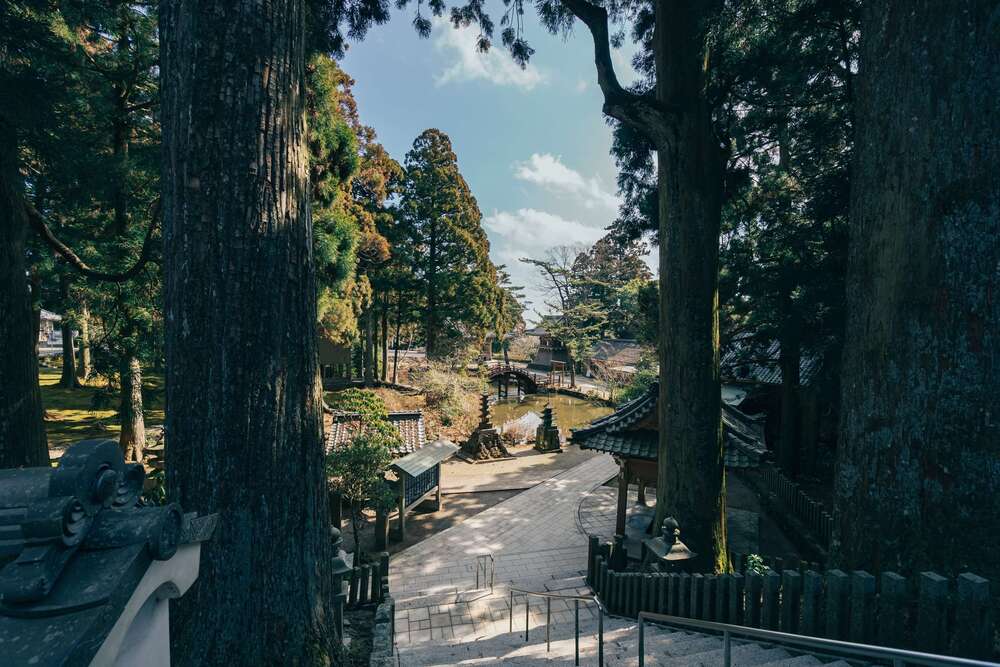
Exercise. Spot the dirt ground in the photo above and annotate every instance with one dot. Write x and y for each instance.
(528, 468)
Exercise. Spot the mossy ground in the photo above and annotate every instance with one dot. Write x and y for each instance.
(69, 413)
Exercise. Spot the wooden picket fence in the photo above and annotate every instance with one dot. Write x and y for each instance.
(369, 583)
(928, 612)
(810, 512)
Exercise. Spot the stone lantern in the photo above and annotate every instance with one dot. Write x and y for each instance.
(666, 552)
(339, 568)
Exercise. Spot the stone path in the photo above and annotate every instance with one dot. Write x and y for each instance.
(538, 542)
(534, 539)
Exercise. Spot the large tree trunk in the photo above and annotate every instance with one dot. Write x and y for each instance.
(790, 357)
(132, 439)
(370, 356)
(395, 344)
(431, 317)
(22, 429)
(244, 411)
(384, 333)
(691, 482)
(917, 472)
(83, 368)
(68, 378)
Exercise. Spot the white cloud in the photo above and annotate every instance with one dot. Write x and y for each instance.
(549, 172)
(495, 66)
(581, 86)
(528, 232)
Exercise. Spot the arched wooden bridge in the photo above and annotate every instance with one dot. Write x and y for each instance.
(526, 381)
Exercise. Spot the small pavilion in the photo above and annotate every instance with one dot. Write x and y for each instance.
(631, 435)
(416, 464)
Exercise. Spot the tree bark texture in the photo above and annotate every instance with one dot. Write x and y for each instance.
(132, 438)
(22, 430)
(370, 355)
(919, 458)
(790, 361)
(244, 408)
(691, 476)
(384, 334)
(83, 368)
(67, 379)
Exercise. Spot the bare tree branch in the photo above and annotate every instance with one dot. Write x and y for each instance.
(643, 112)
(37, 221)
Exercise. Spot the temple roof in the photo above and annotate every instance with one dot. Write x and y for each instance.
(745, 360)
(74, 547)
(410, 424)
(630, 431)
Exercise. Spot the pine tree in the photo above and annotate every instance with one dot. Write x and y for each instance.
(443, 223)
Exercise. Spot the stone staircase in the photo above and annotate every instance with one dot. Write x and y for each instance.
(492, 642)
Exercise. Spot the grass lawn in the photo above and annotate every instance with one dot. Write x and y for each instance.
(69, 417)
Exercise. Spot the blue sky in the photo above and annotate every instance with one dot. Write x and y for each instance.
(532, 143)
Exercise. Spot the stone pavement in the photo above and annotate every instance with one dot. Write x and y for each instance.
(534, 539)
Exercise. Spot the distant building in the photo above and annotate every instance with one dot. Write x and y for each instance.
(50, 336)
(334, 361)
(619, 357)
(549, 347)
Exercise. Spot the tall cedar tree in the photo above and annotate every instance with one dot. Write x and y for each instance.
(918, 466)
(443, 222)
(30, 55)
(245, 410)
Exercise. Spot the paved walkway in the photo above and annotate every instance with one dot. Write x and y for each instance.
(534, 538)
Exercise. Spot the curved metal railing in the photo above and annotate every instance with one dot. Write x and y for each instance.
(893, 656)
(577, 599)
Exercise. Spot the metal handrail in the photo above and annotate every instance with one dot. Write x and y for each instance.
(897, 657)
(481, 565)
(577, 599)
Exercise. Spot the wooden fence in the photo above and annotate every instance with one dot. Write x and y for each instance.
(927, 612)
(369, 583)
(810, 512)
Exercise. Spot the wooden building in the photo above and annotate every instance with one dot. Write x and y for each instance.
(630, 434)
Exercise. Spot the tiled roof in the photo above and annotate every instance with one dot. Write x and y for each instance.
(743, 435)
(746, 360)
(410, 424)
(617, 352)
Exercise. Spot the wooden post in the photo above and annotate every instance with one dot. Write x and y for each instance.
(836, 604)
(811, 599)
(402, 507)
(932, 616)
(891, 602)
(438, 502)
(862, 628)
(973, 618)
(791, 588)
(623, 480)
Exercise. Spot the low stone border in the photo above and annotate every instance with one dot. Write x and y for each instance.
(383, 635)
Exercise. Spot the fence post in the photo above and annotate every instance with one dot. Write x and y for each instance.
(751, 609)
(862, 607)
(891, 606)
(352, 598)
(932, 613)
(684, 595)
(366, 577)
(708, 611)
(722, 598)
(791, 590)
(697, 584)
(736, 598)
(812, 593)
(673, 586)
(662, 601)
(769, 616)
(591, 556)
(973, 617)
(836, 604)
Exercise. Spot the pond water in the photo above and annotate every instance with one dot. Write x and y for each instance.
(522, 416)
